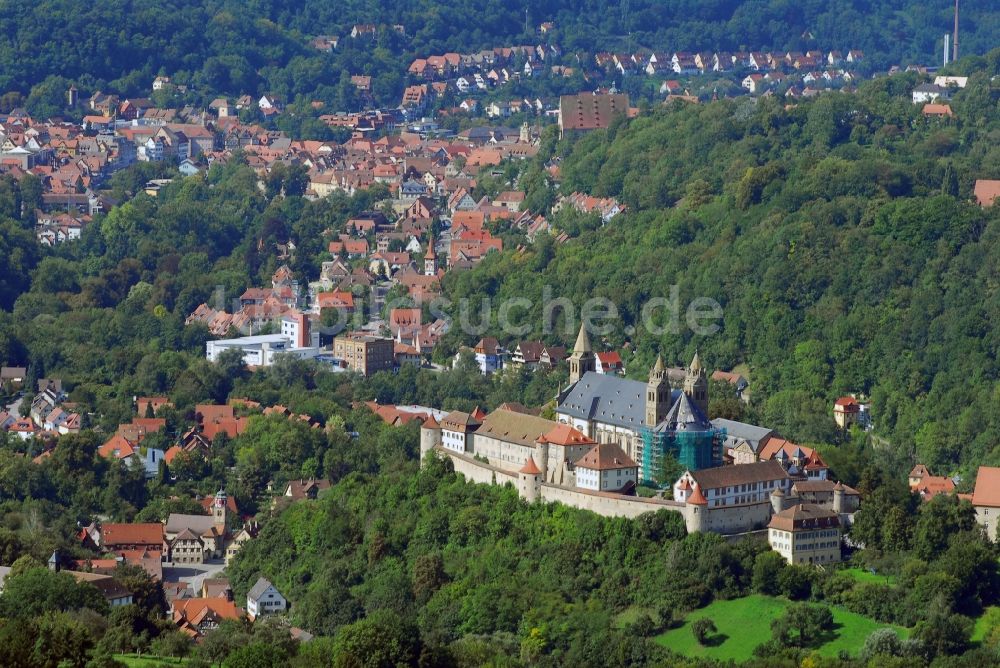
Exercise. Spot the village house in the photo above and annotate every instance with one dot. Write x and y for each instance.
(928, 92)
(126, 538)
(264, 599)
(848, 411)
(489, 355)
(928, 486)
(195, 617)
(609, 363)
(296, 490)
(986, 499)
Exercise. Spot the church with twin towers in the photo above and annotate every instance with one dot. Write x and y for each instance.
(650, 421)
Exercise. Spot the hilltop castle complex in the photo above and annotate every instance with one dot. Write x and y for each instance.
(612, 433)
(647, 420)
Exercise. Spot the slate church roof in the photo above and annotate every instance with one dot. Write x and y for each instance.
(684, 415)
(608, 399)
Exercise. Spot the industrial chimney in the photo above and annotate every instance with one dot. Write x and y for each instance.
(954, 45)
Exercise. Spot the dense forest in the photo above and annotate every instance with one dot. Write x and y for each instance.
(232, 47)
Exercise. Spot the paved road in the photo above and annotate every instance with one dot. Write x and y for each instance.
(15, 408)
(193, 574)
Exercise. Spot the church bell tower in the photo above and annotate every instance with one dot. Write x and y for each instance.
(657, 394)
(219, 510)
(696, 384)
(582, 360)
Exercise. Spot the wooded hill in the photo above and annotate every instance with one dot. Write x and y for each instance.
(839, 235)
(261, 46)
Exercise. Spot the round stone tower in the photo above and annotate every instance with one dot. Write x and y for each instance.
(838, 498)
(777, 501)
(430, 437)
(696, 511)
(528, 481)
(542, 454)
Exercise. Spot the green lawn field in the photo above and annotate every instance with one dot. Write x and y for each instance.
(746, 622)
(864, 575)
(985, 622)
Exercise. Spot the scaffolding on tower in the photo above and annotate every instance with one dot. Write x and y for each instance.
(693, 450)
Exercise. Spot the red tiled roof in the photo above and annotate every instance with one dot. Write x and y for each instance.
(117, 446)
(530, 467)
(193, 609)
(610, 358)
(987, 191)
(987, 492)
(564, 434)
(932, 485)
(149, 533)
(697, 498)
(933, 109)
(209, 412)
(606, 456)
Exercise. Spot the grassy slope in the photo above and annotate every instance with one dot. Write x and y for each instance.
(745, 623)
(862, 575)
(983, 624)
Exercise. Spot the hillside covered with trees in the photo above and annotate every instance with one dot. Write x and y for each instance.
(232, 47)
(839, 236)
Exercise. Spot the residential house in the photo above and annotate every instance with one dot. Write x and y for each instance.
(753, 83)
(928, 92)
(239, 539)
(738, 382)
(111, 589)
(609, 363)
(297, 490)
(928, 486)
(526, 353)
(457, 429)
(195, 617)
(12, 377)
(848, 411)
(510, 200)
(986, 499)
(798, 460)
(489, 355)
(264, 599)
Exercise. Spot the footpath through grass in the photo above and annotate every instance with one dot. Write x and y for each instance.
(746, 622)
